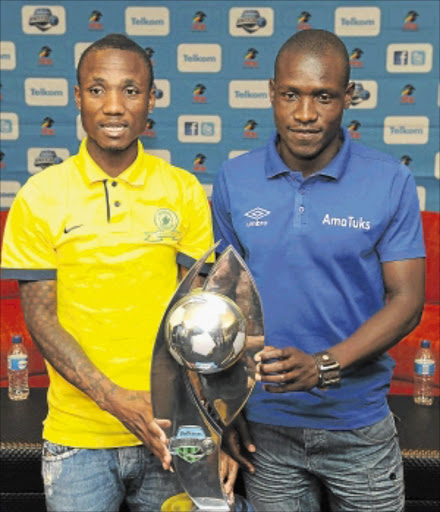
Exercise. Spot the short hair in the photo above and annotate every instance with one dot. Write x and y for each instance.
(118, 42)
(316, 42)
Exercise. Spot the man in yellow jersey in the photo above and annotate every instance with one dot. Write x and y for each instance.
(98, 244)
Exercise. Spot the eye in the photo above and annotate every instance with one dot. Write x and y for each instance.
(324, 97)
(95, 90)
(289, 95)
(131, 91)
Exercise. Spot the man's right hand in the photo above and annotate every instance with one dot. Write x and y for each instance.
(237, 437)
(133, 409)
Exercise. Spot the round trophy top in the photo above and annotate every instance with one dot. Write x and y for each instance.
(205, 331)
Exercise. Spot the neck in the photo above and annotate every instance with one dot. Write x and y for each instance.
(113, 162)
(304, 166)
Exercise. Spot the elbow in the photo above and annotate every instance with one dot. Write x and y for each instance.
(414, 318)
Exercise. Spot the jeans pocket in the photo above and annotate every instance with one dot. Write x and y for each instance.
(379, 432)
(53, 452)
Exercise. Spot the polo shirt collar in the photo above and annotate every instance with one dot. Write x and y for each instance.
(135, 174)
(335, 169)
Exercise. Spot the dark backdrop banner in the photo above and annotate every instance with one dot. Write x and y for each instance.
(212, 61)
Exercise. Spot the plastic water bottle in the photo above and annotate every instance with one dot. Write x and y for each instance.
(424, 366)
(18, 370)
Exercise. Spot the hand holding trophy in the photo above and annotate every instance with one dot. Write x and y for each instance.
(203, 370)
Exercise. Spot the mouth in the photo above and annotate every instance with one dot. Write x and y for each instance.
(113, 129)
(305, 134)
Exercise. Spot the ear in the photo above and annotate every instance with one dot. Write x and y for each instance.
(152, 99)
(348, 95)
(77, 94)
(272, 90)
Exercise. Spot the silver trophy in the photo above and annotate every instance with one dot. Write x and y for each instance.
(203, 369)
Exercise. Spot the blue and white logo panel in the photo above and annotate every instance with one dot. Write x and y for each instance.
(199, 58)
(365, 95)
(249, 94)
(46, 20)
(40, 158)
(357, 21)
(406, 130)
(8, 190)
(147, 21)
(204, 129)
(46, 92)
(7, 55)
(9, 128)
(163, 93)
(409, 58)
(251, 21)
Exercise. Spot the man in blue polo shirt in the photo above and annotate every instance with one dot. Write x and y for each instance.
(331, 232)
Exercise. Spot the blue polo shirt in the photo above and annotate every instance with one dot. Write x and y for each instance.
(315, 248)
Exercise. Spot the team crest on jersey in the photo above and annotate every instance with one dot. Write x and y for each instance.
(166, 222)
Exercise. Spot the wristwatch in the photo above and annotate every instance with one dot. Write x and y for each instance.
(329, 370)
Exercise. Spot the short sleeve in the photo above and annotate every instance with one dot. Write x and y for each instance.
(27, 252)
(223, 229)
(403, 238)
(198, 236)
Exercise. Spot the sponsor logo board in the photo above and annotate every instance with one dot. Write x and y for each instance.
(249, 94)
(357, 21)
(147, 21)
(43, 20)
(251, 21)
(41, 158)
(199, 58)
(8, 59)
(9, 126)
(9, 190)
(406, 130)
(204, 129)
(409, 58)
(46, 91)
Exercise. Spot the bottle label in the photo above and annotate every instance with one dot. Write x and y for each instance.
(424, 367)
(17, 362)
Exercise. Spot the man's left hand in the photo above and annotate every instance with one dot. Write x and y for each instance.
(286, 369)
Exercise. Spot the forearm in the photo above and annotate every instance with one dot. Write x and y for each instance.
(60, 348)
(378, 334)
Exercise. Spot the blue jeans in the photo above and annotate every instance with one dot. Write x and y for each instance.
(79, 479)
(360, 469)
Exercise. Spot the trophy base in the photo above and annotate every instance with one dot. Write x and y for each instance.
(183, 503)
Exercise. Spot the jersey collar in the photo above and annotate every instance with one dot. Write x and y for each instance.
(135, 174)
(275, 165)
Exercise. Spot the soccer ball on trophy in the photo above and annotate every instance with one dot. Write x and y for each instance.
(205, 332)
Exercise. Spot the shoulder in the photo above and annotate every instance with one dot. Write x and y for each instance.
(48, 183)
(245, 164)
(170, 175)
(377, 161)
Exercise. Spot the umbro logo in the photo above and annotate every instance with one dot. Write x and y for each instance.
(256, 214)
(68, 230)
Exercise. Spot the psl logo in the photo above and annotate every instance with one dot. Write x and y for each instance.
(410, 21)
(198, 22)
(250, 58)
(43, 56)
(406, 95)
(149, 128)
(46, 126)
(249, 129)
(303, 21)
(199, 163)
(199, 94)
(406, 160)
(353, 128)
(356, 58)
(94, 20)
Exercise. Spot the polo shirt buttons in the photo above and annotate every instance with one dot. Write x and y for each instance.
(117, 203)
(114, 183)
(301, 209)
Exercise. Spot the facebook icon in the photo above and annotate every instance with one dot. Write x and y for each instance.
(191, 128)
(401, 58)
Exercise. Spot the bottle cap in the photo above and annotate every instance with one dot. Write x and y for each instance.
(425, 344)
(17, 339)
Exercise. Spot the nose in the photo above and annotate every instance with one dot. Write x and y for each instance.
(113, 103)
(305, 110)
